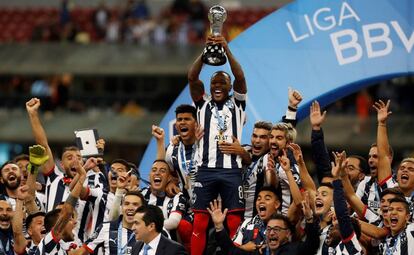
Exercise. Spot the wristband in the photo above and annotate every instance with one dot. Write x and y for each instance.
(293, 109)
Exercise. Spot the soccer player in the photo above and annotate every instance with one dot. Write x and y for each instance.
(349, 229)
(59, 176)
(222, 117)
(280, 136)
(252, 232)
(401, 237)
(174, 208)
(6, 235)
(116, 237)
(180, 152)
(279, 234)
(59, 223)
(256, 174)
(34, 224)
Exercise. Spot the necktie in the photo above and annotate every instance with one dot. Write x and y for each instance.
(146, 248)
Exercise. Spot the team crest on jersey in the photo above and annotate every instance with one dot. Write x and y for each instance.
(94, 235)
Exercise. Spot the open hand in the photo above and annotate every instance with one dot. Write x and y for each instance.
(316, 117)
(382, 110)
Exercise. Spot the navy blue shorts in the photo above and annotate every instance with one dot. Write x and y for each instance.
(211, 182)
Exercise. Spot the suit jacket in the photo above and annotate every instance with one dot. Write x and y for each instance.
(165, 247)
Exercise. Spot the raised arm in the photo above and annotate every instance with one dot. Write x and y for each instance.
(121, 184)
(271, 178)
(196, 85)
(32, 107)
(37, 158)
(384, 163)
(218, 216)
(294, 98)
(320, 153)
(293, 186)
(159, 135)
(341, 210)
(352, 198)
(239, 84)
(307, 180)
(17, 221)
(311, 244)
(68, 207)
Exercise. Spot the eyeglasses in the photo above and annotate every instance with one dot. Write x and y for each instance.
(276, 229)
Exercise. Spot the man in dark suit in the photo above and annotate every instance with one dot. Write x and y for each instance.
(148, 223)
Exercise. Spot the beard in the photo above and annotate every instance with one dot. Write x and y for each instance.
(5, 218)
(13, 186)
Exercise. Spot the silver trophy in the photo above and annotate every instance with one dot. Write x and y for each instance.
(213, 54)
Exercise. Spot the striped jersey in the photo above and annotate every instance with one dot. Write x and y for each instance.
(109, 202)
(253, 229)
(57, 188)
(403, 243)
(91, 211)
(111, 238)
(253, 181)
(31, 248)
(51, 245)
(181, 158)
(166, 204)
(57, 191)
(410, 201)
(229, 117)
(369, 191)
(324, 249)
(349, 247)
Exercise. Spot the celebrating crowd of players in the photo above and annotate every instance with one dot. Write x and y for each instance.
(256, 199)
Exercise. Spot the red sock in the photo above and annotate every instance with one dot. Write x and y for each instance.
(198, 237)
(233, 222)
(185, 230)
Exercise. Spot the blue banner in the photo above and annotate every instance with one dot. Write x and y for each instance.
(326, 49)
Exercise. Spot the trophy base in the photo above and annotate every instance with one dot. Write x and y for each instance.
(213, 55)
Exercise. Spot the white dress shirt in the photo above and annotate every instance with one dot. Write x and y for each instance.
(153, 244)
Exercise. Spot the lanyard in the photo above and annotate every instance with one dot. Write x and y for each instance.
(2, 250)
(121, 250)
(220, 119)
(390, 250)
(267, 250)
(186, 170)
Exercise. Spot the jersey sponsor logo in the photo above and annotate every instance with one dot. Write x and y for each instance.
(198, 185)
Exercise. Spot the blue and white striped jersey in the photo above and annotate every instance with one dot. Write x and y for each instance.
(213, 117)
